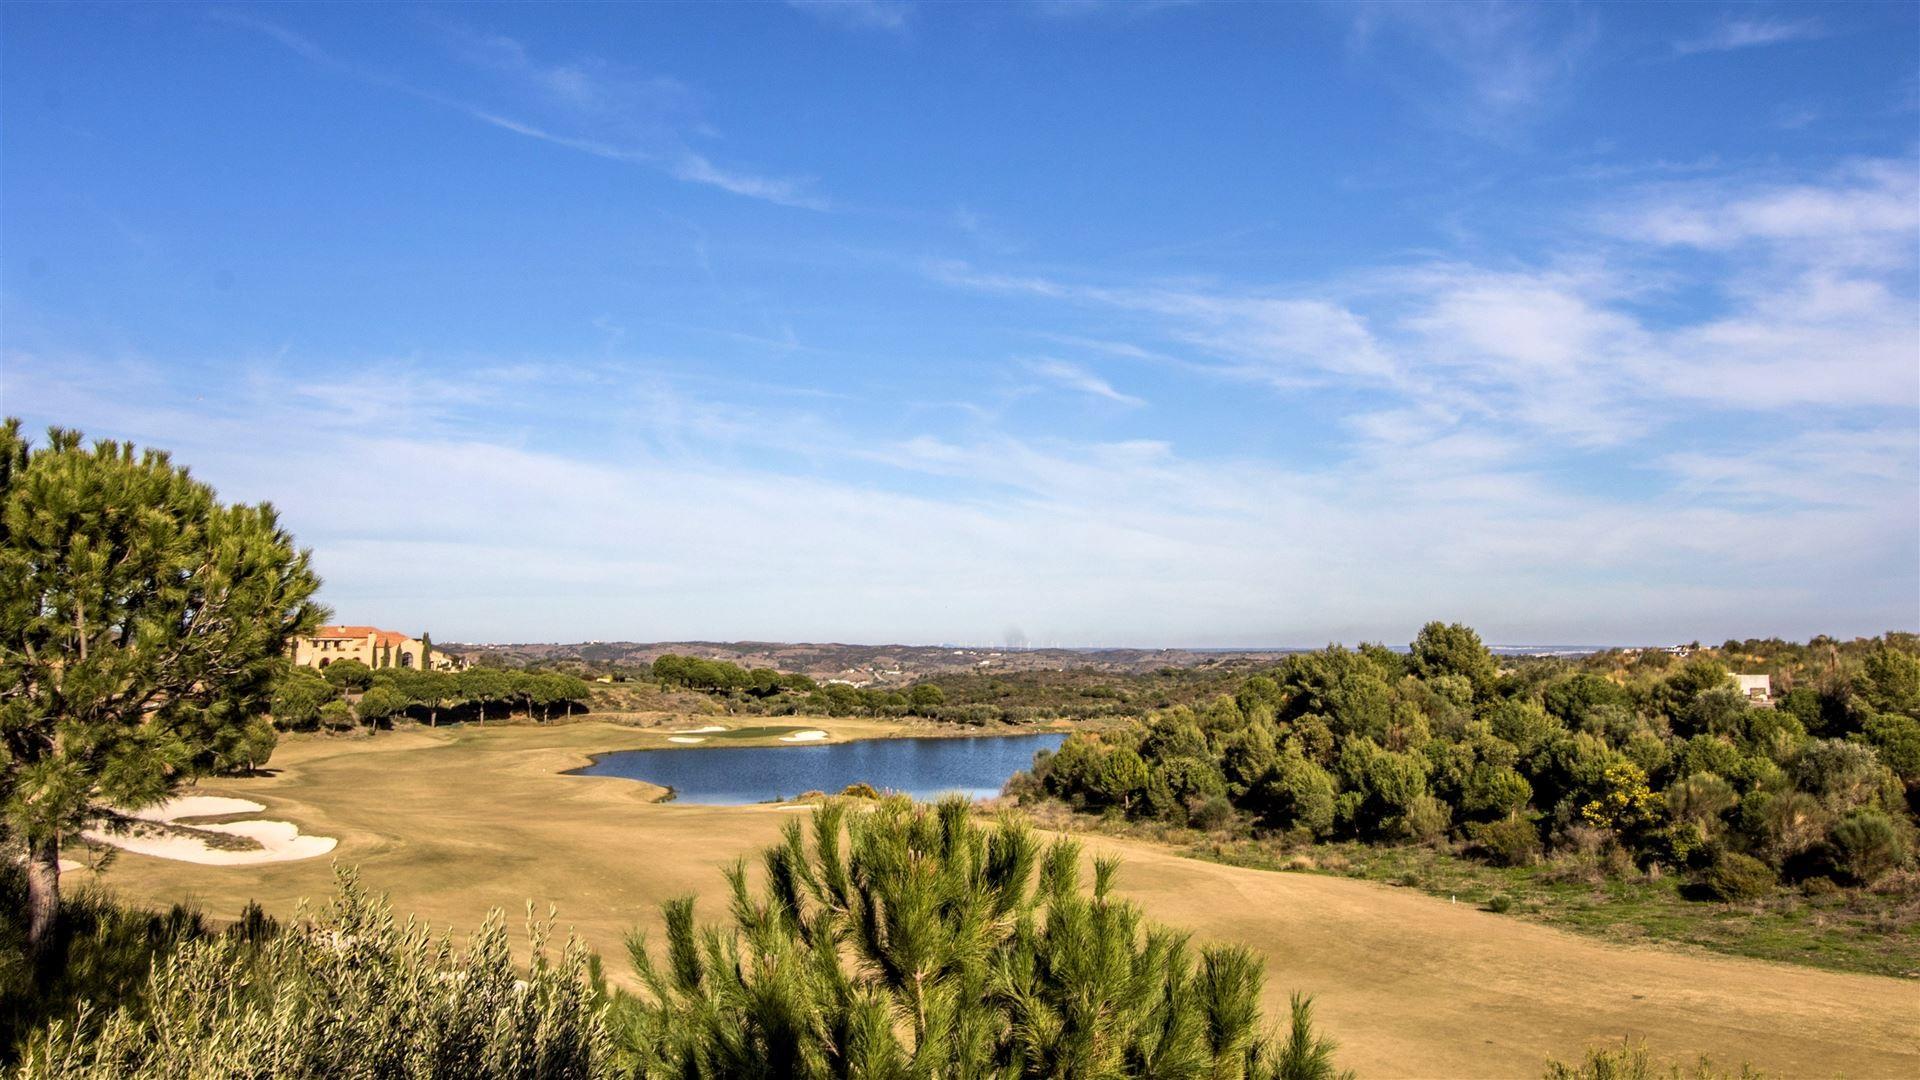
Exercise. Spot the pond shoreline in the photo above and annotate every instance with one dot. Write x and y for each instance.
(836, 738)
(922, 766)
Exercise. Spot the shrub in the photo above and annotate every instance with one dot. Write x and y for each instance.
(1897, 738)
(1735, 877)
(861, 790)
(1494, 791)
(1841, 774)
(1512, 841)
(347, 994)
(1298, 794)
(336, 716)
(1633, 1062)
(1212, 813)
(1866, 844)
(1500, 904)
(1426, 820)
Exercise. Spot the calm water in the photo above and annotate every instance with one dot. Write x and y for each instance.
(922, 768)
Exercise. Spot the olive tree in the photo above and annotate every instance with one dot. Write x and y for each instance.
(142, 625)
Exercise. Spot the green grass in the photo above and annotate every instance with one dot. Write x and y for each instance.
(1856, 931)
(768, 731)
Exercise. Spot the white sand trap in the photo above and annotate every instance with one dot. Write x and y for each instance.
(804, 736)
(280, 841)
(686, 738)
(196, 806)
(708, 730)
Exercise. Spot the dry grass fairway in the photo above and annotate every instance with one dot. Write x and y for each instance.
(452, 823)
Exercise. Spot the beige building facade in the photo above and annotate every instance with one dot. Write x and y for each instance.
(1757, 689)
(373, 647)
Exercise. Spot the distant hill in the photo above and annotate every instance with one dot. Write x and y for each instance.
(868, 665)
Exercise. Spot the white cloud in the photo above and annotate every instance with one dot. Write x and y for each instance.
(428, 513)
(1734, 33)
(1507, 61)
(1075, 377)
(1838, 468)
(1809, 302)
(607, 114)
(1868, 210)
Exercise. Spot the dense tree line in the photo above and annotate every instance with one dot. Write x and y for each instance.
(1639, 761)
(348, 693)
(766, 691)
(677, 672)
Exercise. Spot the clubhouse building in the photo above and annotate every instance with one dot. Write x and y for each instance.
(373, 647)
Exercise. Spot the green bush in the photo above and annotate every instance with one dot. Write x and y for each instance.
(98, 951)
(336, 716)
(1211, 813)
(1867, 844)
(1734, 876)
(1512, 841)
(346, 994)
(1297, 794)
(1426, 819)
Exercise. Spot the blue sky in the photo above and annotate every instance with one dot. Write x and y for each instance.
(1073, 323)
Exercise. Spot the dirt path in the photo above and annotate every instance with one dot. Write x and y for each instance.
(453, 823)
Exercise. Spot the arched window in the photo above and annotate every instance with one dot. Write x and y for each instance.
(406, 659)
(327, 661)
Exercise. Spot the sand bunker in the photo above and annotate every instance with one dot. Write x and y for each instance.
(708, 730)
(280, 841)
(196, 806)
(804, 736)
(685, 738)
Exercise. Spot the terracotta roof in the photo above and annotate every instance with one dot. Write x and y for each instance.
(357, 633)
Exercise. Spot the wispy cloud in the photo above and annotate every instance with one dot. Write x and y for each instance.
(891, 15)
(1746, 32)
(619, 118)
(672, 533)
(1504, 63)
(1806, 299)
(1078, 378)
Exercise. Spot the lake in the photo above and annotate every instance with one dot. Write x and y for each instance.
(922, 768)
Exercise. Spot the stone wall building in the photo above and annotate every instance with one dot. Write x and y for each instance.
(1757, 689)
(373, 647)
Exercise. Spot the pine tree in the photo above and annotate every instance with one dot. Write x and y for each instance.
(912, 941)
(142, 625)
(426, 651)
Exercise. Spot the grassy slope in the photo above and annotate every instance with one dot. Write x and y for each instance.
(453, 822)
(1873, 934)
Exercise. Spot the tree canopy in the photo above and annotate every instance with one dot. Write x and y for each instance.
(913, 941)
(142, 624)
(1661, 760)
